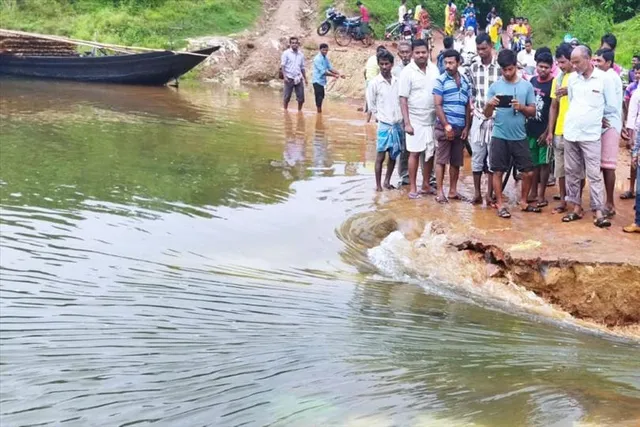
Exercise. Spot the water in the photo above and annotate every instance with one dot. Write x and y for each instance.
(184, 258)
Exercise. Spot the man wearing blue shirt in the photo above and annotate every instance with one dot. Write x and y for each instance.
(321, 69)
(513, 100)
(451, 95)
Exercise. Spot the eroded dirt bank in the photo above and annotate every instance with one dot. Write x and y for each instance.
(589, 273)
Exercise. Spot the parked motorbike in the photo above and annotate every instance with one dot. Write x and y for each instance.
(350, 30)
(334, 19)
(405, 30)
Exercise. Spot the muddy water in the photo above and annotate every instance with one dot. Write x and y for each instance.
(180, 258)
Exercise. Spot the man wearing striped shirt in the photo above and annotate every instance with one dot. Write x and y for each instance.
(451, 96)
(484, 73)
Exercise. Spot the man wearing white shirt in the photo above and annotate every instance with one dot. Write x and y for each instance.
(402, 10)
(588, 95)
(384, 102)
(604, 60)
(419, 115)
(527, 57)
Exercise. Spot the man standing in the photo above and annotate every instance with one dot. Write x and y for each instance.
(451, 94)
(513, 100)
(634, 62)
(627, 133)
(402, 10)
(484, 73)
(557, 114)
(527, 57)
(418, 112)
(633, 128)
(321, 69)
(385, 104)
(404, 53)
(538, 127)
(293, 73)
(588, 94)
(612, 126)
(364, 19)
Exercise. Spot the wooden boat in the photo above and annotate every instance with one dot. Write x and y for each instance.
(52, 57)
(151, 68)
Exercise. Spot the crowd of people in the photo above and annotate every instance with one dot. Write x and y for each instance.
(565, 120)
(539, 113)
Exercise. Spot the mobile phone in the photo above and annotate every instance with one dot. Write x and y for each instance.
(505, 101)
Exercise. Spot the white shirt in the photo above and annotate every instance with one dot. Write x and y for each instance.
(587, 100)
(383, 100)
(402, 10)
(527, 59)
(613, 110)
(633, 117)
(469, 44)
(417, 87)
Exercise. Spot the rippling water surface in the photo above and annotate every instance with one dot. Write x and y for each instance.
(175, 258)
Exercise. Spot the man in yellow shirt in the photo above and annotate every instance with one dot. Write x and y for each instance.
(557, 114)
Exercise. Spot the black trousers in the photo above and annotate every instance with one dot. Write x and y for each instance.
(318, 91)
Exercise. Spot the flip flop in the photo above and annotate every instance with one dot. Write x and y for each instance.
(442, 200)
(627, 195)
(608, 214)
(504, 213)
(414, 196)
(429, 192)
(559, 209)
(542, 204)
(531, 209)
(476, 201)
(389, 187)
(602, 222)
(557, 197)
(571, 216)
(458, 197)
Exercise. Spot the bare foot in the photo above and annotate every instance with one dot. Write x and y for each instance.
(378, 188)
(477, 200)
(388, 186)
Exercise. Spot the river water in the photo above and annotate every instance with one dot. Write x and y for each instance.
(179, 258)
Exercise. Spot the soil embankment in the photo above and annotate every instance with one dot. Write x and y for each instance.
(254, 56)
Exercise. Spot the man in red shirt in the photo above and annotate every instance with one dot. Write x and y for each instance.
(364, 18)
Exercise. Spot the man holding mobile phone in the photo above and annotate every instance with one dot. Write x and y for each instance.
(509, 145)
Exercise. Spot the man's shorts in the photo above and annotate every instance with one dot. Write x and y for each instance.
(421, 140)
(539, 154)
(289, 87)
(318, 91)
(610, 148)
(449, 151)
(504, 152)
(558, 154)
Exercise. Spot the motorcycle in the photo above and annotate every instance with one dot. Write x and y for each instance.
(405, 30)
(350, 30)
(334, 19)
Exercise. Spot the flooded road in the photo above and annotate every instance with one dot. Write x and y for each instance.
(176, 258)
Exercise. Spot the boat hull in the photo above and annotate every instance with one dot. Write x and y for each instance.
(153, 68)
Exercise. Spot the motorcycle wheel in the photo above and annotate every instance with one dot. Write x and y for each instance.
(343, 37)
(324, 28)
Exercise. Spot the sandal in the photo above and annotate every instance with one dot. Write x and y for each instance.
(627, 195)
(542, 204)
(531, 209)
(414, 196)
(559, 209)
(504, 213)
(571, 216)
(608, 214)
(602, 222)
(442, 200)
(458, 197)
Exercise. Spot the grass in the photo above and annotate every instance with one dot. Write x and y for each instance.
(147, 23)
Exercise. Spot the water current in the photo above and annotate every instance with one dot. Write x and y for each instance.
(178, 258)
